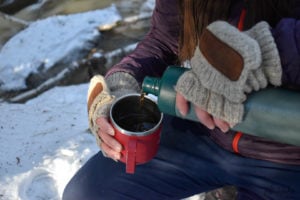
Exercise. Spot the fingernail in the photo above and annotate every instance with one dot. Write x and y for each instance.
(118, 148)
(183, 112)
(225, 130)
(117, 157)
(211, 127)
(111, 132)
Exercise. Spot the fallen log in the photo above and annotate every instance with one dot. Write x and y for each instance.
(108, 59)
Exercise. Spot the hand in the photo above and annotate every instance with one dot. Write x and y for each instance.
(204, 117)
(223, 60)
(110, 147)
(100, 98)
(217, 80)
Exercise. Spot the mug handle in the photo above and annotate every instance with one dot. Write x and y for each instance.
(131, 156)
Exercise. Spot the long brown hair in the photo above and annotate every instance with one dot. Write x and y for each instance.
(197, 14)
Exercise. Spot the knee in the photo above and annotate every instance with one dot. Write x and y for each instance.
(69, 193)
(75, 190)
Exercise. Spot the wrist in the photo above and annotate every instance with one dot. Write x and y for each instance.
(121, 83)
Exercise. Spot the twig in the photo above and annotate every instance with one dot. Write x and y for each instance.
(14, 19)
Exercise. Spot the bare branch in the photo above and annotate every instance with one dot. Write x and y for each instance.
(14, 19)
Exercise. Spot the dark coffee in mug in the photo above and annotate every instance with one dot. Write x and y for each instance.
(134, 115)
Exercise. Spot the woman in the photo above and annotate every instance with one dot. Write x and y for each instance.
(198, 157)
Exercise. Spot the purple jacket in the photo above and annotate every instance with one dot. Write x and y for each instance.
(159, 49)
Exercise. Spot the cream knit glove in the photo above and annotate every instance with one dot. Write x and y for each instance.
(227, 64)
(270, 70)
(224, 60)
(101, 94)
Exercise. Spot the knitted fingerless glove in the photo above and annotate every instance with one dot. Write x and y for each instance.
(217, 105)
(101, 94)
(227, 64)
(224, 60)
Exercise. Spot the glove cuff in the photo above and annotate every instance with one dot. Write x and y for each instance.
(215, 104)
(100, 96)
(99, 101)
(271, 64)
(190, 87)
(121, 83)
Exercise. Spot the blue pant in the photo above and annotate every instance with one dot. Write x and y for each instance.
(187, 163)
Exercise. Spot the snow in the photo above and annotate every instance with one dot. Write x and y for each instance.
(46, 140)
(43, 143)
(48, 41)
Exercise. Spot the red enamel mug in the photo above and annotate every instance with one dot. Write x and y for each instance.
(137, 125)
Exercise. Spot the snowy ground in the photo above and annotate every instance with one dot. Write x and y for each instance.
(43, 143)
(46, 140)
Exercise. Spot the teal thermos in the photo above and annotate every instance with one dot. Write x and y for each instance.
(272, 113)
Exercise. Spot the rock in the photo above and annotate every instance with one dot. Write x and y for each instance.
(47, 46)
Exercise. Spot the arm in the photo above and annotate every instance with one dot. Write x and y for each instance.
(152, 55)
(159, 47)
(287, 38)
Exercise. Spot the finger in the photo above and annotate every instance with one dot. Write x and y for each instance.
(221, 124)
(231, 125)
(205, 118)
(105, 126)
(182, 104)
(109, 152)
(110, 141)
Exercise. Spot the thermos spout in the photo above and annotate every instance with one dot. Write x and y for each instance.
(151, 85)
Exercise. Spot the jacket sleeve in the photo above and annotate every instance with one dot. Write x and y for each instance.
(159, 47)
(287, 38)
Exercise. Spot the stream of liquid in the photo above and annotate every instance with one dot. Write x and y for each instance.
(142, 99)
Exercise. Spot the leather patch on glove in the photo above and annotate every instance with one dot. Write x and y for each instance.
(221, 56)
(96, 90)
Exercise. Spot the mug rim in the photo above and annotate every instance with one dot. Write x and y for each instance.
(135, 133)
